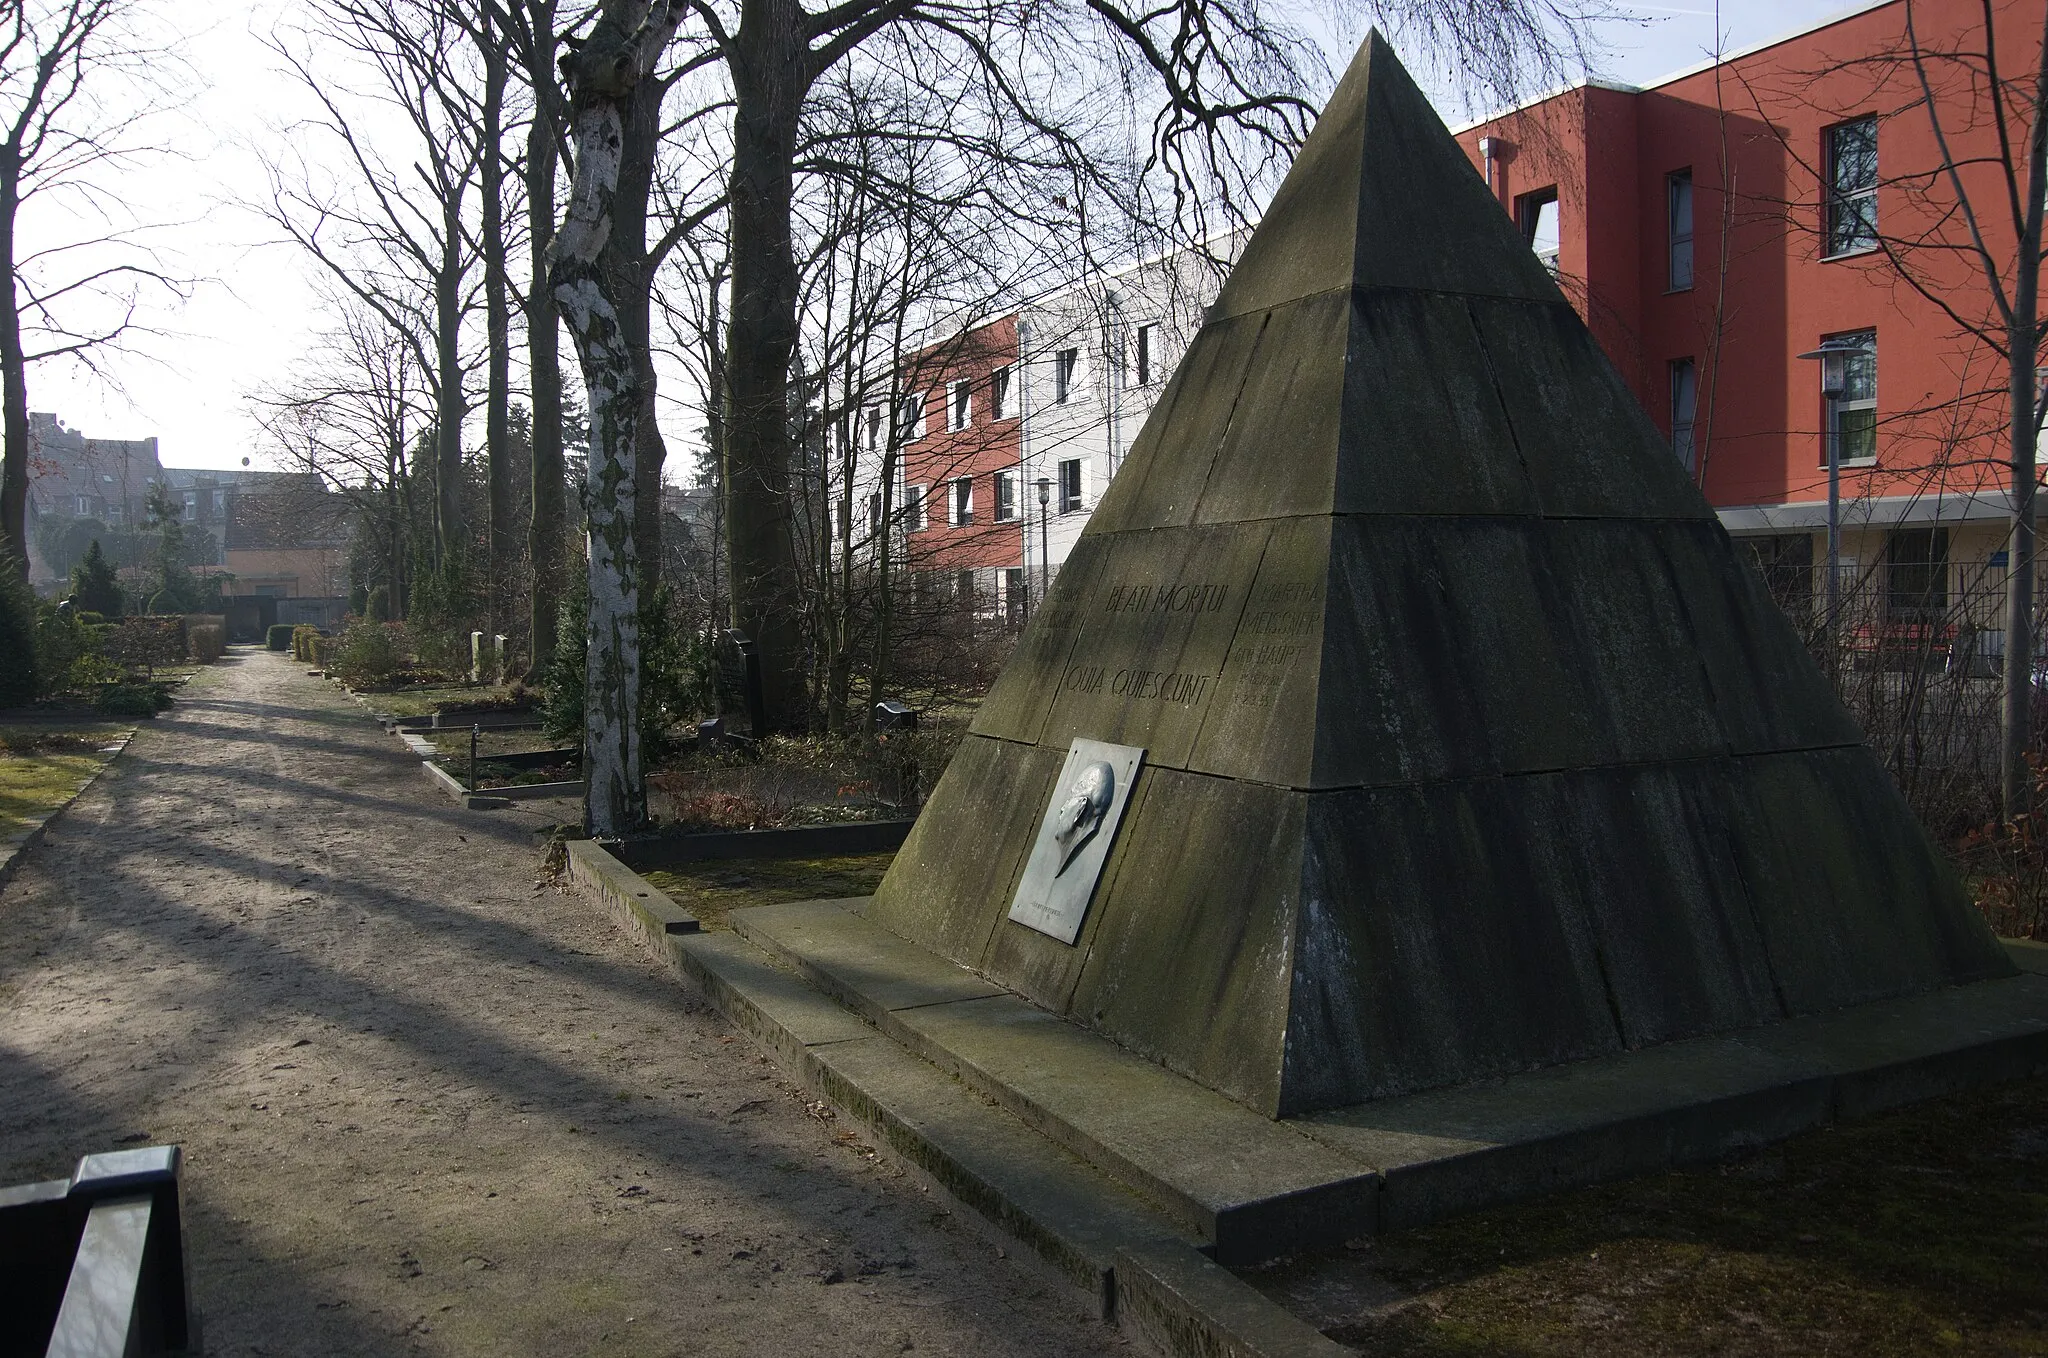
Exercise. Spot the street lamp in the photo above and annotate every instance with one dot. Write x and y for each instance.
(1833, 356)
(1044, 549)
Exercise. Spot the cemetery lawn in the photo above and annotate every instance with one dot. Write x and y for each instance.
(712, 890)
(418, 701)
(1922, 1231)
(42, 766)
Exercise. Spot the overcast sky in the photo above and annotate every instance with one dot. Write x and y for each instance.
(253, 311)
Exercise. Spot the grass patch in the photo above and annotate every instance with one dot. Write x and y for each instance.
(454, 743)
(710, 891)
(1924, 1231)
(34, 785)
(418, 701)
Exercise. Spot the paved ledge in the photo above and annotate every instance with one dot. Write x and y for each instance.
(633, 900)
(1110, 1166)
(1137, 1265)
(1254, 1188)
(1250, 1187)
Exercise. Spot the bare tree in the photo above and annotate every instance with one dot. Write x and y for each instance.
(391, 228)
(1963, 231)
(1232, 85)
(77, 80)
(353, 412)
(532, 28)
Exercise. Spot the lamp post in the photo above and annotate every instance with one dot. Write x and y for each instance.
(1833, 356)
(1044, 548)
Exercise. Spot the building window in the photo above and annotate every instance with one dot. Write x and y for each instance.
(1852, 417)
(84, 506)
(999, 394)
(1065, 366)
(874, 513)
(959, 407)
(913, 509)
(1148, 354)
(912, 415)
(1852, 187)
(1678, 219)
(1685, 399)
(1006, 497)
(1916, 575)
(874, 429)
(961, 502)
(1013, 593)
(963, 588)
(1070, 485)
(1536, 213)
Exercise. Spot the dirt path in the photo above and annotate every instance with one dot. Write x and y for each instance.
(428, 1104)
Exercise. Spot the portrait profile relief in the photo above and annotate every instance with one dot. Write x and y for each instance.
(1075, 837)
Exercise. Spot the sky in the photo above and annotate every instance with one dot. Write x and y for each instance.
(252, 310)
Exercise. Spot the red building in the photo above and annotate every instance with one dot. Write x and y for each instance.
(963, 502)
(1716, 225)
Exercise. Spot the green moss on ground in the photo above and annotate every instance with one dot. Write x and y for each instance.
(711, 891)
(1924, 1231)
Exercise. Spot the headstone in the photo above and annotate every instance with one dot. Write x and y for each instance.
(736, 682)
(479, 665)
(501, 658)
(1470, 744)
(891, 715)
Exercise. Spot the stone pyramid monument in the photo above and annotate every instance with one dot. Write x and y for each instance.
(1404, 717)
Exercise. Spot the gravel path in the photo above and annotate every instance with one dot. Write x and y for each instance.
(428, 1103)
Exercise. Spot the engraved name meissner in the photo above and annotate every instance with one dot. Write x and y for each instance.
(1166, 686)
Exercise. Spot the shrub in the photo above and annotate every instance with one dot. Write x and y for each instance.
(18, 677)
(208, 641)
(319, 651)
(379, 604)
(369, 652)
(302, 642)
(131, 700)
(148, 641)
(279, 637)
(562, 712)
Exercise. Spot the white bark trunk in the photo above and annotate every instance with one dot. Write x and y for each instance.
(584, 277)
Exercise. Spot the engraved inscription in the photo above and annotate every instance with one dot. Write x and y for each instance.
(1187, 596)
(1181, 687)
(1271, 640)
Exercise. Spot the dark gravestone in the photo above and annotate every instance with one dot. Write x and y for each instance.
(1463, 741)
(891, 715)
(737, 684)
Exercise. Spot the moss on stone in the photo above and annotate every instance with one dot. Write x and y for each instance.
(712, 890)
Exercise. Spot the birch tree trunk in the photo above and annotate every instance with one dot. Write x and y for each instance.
(591, 291)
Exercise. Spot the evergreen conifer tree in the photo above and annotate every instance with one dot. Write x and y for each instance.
(94, 587)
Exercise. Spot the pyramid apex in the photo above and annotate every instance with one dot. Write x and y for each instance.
(1381, 196)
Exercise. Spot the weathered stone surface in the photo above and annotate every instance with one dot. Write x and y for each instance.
(1190, 961)
(1380, 196)
(1471, 744)
(952, 879)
